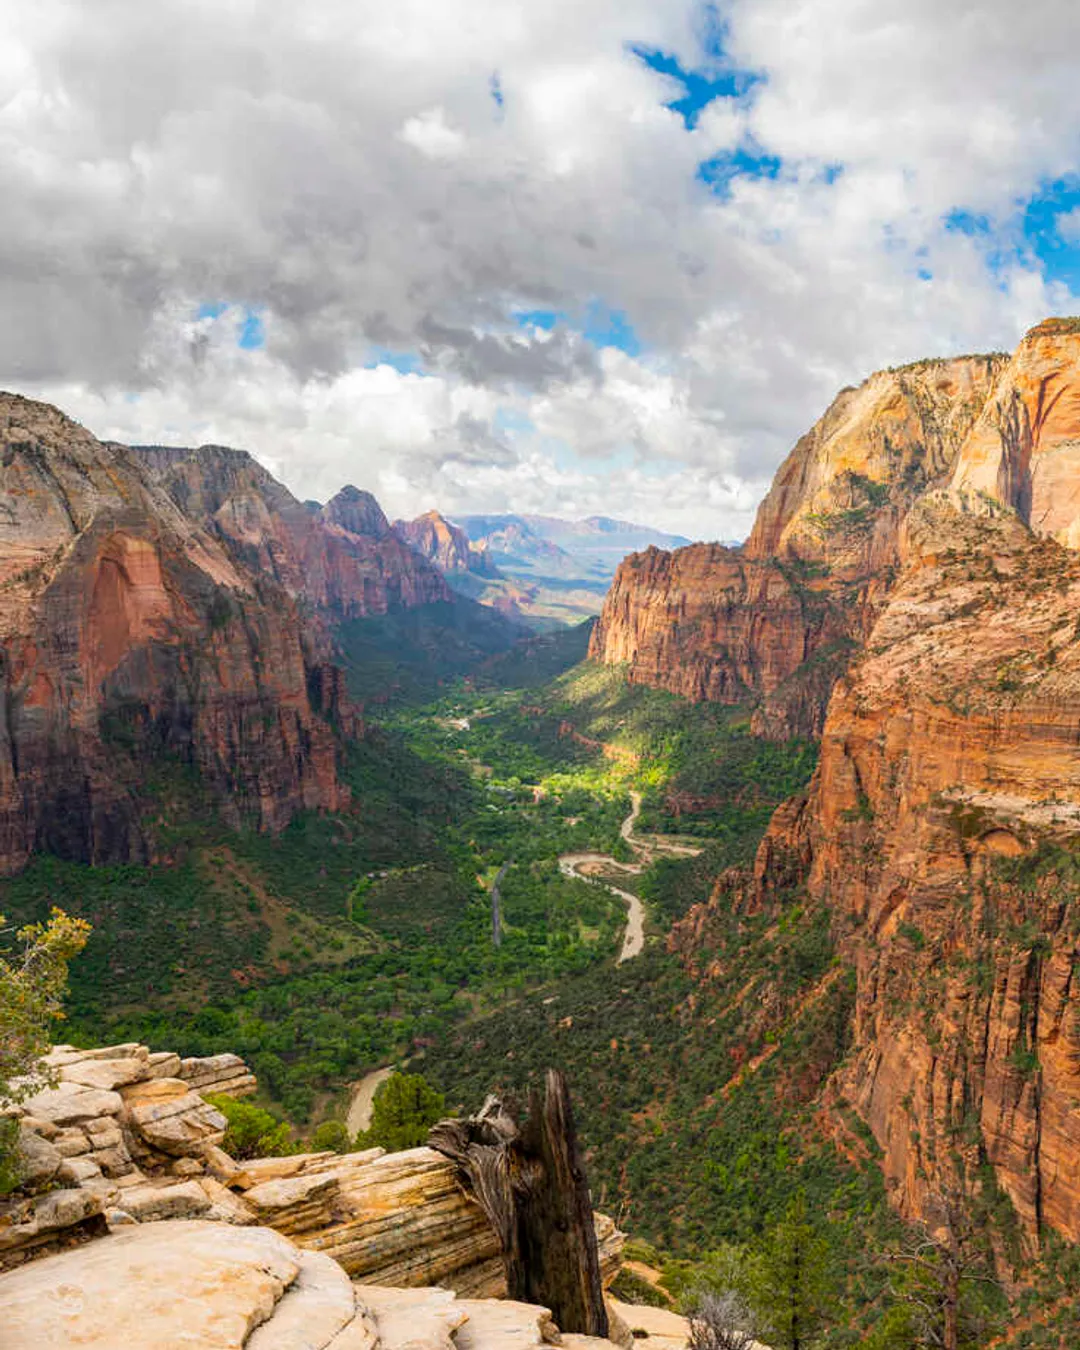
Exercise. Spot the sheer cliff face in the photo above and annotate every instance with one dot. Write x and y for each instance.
(1025, 448)
(128, 633)
(941, 823)
(776, 620)
(342, 560)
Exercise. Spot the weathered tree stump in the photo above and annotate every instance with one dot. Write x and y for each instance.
(532, 1187)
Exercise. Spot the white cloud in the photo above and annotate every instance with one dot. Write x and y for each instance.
(432, 135)
(343, 168)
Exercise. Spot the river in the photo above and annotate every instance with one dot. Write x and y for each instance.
(584, 866)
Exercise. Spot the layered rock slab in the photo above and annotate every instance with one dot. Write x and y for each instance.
(168, 1286)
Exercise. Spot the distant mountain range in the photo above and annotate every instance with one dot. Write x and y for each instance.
(541, 568)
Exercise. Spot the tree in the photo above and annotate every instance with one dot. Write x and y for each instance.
(943, 1276)
(403, 1110)
(252, 1132)
(331, 1135)
(33, 981)
(791, 1282)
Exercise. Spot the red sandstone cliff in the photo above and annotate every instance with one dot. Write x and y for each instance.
(941, 825)
(775, 621)
(130, 635)
(342, 559)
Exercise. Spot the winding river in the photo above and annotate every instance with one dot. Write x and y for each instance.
(586, 865)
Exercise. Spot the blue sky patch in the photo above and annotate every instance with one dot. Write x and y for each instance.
(601, 325)
(405, 363)
(746, 162)
(538, 318)
(701, 86)
(606, 327)
(1057, 251)
(252, 335)
(512, 422)
(967, 222)
(252, 331)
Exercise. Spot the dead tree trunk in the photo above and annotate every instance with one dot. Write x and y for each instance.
(532, 1187)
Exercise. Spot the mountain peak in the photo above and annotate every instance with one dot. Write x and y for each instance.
(357, 511)
(433, 536)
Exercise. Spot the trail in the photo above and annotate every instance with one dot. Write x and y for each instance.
(585, 866)
(363, 1099)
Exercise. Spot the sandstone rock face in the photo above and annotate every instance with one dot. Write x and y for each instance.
(178, 1284)
(775, 621)
(128, 630)
(398, 1219)
(147, 1150)
(171, 1285)
(226, 1075)
(709, 623)
(433, 536)
(1024, 451)
(948, 775)
(342, 559)
(839, 496)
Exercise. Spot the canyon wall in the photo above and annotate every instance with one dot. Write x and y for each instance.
(165, 610)
(342, 560)
(941, 825)
(774, 621)
(433, 536)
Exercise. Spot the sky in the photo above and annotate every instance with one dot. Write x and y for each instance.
(585, 256)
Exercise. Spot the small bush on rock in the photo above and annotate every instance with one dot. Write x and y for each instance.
(252, 1132)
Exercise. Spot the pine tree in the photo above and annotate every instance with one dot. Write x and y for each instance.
(404, 1109)
(792, 1282)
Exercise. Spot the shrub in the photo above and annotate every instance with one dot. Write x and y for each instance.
(32, 987)
(333, 1135)
(720, 1322)
(252, 1131)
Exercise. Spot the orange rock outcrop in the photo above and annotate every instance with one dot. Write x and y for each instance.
(433, 536)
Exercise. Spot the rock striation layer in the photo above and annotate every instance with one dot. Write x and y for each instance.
(125, 1136)
(775, 621)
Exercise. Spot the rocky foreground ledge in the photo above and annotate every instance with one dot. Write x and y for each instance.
(173, 1285)
(133, 1228)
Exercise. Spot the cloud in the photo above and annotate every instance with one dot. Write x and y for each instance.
(432, 136)
(344, 172)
